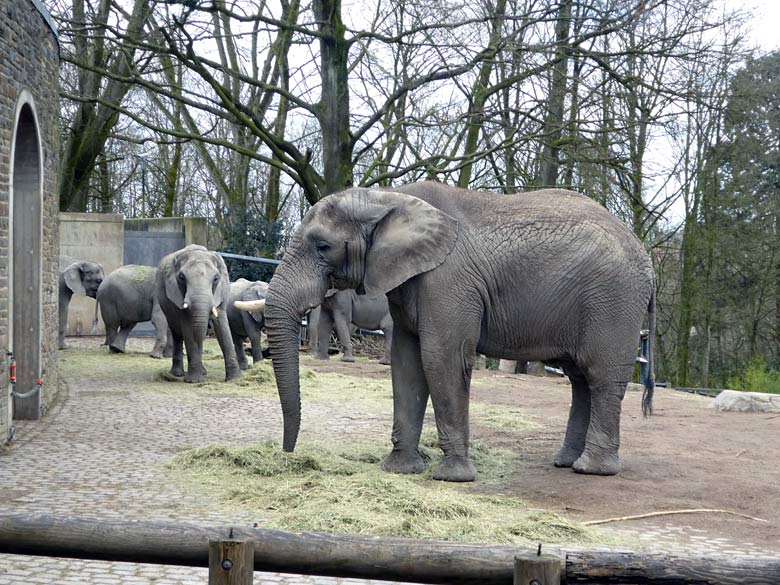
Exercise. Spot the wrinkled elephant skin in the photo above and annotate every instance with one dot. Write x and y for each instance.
(193, 289)
(547, 275)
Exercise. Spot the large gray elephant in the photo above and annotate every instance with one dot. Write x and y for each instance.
(193, 288)
(127, 297)
(343, 309)
(245, 324)
(547, 275)
(79, 277)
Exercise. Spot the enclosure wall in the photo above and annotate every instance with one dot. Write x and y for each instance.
(29, 62)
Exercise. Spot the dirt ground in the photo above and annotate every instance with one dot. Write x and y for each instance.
(686, 456)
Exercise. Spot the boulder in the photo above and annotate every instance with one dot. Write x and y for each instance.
(736, 401)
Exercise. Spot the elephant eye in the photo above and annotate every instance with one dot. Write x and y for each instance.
(323, 246)
(181, 277)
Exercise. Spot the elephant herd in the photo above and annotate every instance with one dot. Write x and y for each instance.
(546, 275)
(189, 292)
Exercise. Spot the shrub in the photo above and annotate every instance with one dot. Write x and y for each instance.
(757, 378)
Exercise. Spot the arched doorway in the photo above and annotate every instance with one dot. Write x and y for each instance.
(25, 286)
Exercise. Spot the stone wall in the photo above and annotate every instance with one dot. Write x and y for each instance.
(196, 230)
(97, 237)
(29, 62)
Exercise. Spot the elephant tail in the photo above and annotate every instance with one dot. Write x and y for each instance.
(95, 318)
(647, 396)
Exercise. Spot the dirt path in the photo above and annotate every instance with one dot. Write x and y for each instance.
(686, 456)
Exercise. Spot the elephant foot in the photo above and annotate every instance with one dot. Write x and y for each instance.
(323, 357)
(115, 349)
(597, 465)
(232, 374)
(177, 372)
(385, 361)
(567, 456)
(158, 355)
(455, 468)
(348, 358)
(168, 353)
(243, 365)
(404, 462)
(192, 378)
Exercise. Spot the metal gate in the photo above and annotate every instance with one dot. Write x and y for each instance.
(148, 248)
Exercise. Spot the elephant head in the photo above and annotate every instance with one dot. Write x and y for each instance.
(83, 278)
(255, 292)
(196, 281)
(371, 241)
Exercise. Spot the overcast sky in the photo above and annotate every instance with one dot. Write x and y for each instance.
(765, 25)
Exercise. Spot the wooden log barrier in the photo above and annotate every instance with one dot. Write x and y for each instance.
(637, 569)
(169, 543)
(366, 557)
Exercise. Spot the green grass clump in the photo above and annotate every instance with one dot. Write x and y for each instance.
(344, 490)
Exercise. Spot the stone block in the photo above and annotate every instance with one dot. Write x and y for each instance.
(736, 401)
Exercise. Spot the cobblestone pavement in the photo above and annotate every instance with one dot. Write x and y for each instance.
(101, 451)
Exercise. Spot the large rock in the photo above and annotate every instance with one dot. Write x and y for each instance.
(736, 401)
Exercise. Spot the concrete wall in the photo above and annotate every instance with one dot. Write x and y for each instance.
(29, 62)
(97, 237)
(196, 230)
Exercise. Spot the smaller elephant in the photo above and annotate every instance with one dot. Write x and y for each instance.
(246, 324)
(79, 277)
(343, 308)
(193, 289)
(127, 297)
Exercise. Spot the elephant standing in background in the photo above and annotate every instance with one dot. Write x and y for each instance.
(342, 309)
(245, 324)
(548, 275)
(193, 289)
(127, 297)
(80, 277)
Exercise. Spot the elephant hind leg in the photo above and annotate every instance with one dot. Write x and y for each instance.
(600, 456)
(119, 342)
(579, 419)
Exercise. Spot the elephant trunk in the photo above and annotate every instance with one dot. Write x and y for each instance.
(199, 307)
(293, 290)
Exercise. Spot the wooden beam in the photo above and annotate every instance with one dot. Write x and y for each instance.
(638, 569)
(306, 553)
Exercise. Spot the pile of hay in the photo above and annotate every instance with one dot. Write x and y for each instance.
(344, 490)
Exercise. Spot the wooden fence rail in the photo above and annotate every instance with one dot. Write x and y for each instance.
(367, 557)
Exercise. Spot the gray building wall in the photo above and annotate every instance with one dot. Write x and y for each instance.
(29, 62)
(97, 237)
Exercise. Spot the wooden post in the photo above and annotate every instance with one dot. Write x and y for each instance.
(537, 569)
(231, 562)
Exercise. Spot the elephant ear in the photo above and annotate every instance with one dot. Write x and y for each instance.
(331, 292)
(172, 290)
(222, 292)
(410, 237)
(72, 275)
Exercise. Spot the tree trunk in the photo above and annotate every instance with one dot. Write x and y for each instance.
(553, 124)
(333, 108)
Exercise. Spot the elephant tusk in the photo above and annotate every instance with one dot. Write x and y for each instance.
(214, 313)
(257, 306)
(185, 306)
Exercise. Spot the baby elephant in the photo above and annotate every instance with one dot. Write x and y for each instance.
(79, 277)
(127, 297)
(245, 324)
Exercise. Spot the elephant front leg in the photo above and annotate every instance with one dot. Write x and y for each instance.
(63, 325)
(410, 397)
(222, 329)
(177, 353)
(238, 346)
(449, 353)
(342, 325)
(195, 372)
(579, 420)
